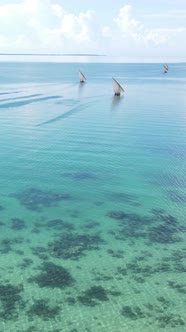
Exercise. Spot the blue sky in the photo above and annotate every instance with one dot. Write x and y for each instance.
(132, 29)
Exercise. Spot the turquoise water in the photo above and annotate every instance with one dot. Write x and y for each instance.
(92, 209)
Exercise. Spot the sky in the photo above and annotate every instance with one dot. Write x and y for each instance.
(133, 29)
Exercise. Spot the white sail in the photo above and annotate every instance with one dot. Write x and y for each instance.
(117, 87)
(165, 68)
(82, 77)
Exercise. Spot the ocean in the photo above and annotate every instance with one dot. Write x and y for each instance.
(93, 197)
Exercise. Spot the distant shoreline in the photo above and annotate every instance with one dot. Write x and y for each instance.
(52, 54)
(82, 58)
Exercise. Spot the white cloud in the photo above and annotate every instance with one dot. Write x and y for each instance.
(129, 35)
(131, 29)
(173, 14)
(77, 27)
(44, 27)
(155, 37)
(126, 23)
(57, 10)
(106, 32)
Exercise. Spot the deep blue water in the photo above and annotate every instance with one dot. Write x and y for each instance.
(92, 198)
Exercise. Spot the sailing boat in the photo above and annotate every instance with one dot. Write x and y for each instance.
(165, 68)
(82, 77)
(117, 87)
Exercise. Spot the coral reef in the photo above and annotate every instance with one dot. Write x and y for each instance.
(9, 298)
(118, 215)
(40, 252)
(164, 234)
(53, 276)
(25, 263)
(59, 224)
(80, 175)
(91, 223)
(123, 198)
(159, 314)
(73, 245)
(133, 312)
(93, 296)
(70, 300)
(7, 243)
(178, 286)
(133, 226)
(170, 320)
(35, 199)
(175, 196)
(42, 309)
(18, 224)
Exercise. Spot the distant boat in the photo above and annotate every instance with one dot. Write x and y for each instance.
(82, 77)
(117, 87)
(165, 68)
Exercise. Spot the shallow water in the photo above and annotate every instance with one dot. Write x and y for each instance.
(93, 197)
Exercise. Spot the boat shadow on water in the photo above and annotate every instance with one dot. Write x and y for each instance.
(80, 89)
(116, 101)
